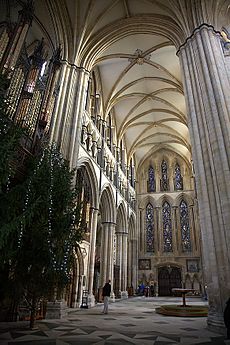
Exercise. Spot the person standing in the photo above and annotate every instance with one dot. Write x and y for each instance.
(106, 295)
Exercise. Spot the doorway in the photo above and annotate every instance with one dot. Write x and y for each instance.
(168, 278)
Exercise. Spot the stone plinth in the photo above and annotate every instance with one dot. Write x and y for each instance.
(56, 310)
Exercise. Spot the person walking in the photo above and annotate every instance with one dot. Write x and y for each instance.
(106, 295)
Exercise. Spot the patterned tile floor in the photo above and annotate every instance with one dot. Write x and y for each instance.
(133, 321)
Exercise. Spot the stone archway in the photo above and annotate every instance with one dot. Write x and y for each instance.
(120, 262)
(132, 251)
(107, 212)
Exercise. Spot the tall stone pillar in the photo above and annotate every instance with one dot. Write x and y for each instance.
(119, 257)
(134, 263)
(206, 86)
(192, 231)
(104, 254)
(93, 234)
(70, 103)
(110, 263)
(140, 233)
(124, 293)
(107, 254)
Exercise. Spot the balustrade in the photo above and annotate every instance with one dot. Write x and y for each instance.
(107, 156)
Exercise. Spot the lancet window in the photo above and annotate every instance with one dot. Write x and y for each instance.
(167, 227)
(151, 181)
(185, 228)
(149, 228)
(178, 181)
(164, 176)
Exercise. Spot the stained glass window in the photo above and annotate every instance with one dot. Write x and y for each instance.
(149, 228)
(167, 227)
(185, 228)
(151, 186)
(164, 176)
(178, 178)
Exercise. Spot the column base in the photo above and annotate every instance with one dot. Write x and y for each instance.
(112, 297)
(56, 310)
(124, 294)
(216, 324)
(91, 301)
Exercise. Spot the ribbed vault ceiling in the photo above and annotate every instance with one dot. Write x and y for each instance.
(139, 70)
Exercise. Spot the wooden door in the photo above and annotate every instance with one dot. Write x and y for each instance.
(163, 282)
(168, 278)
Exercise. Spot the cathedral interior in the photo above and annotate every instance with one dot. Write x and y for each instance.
(136, 95)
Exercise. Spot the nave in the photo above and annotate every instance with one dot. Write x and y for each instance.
(132, 321)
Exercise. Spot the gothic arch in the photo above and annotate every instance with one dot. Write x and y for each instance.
(165, 198)
(131, 227)
(183, 196)
(145, 201)
(107, 205)
(132, 260)
(165, 148)
(87, 164)
(121, 219)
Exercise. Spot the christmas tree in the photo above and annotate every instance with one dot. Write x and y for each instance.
(39, 221)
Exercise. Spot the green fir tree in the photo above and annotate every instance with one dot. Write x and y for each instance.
(39, 220)
(49, 230)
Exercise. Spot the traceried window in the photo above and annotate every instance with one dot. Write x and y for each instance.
(167, 227)
(185, 228)
(164, 176)
(149, 228)
(178, 182)
(151, 181)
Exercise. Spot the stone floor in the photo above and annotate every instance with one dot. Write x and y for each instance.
(133, 321)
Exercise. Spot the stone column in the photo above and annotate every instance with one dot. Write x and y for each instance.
(192, 230)
(206, 86)
(119, 256)
(129, 261)
(110, 255)
(61, 104)
(104, 254)
(134, 264)
(66, 123)
(140, 233)
(124, 293)
(93, 234)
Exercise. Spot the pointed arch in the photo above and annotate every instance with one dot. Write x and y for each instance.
(88, 167)
(121, 219)
(146, 200)
(186, 197)
(107, 205)
(131, 227)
